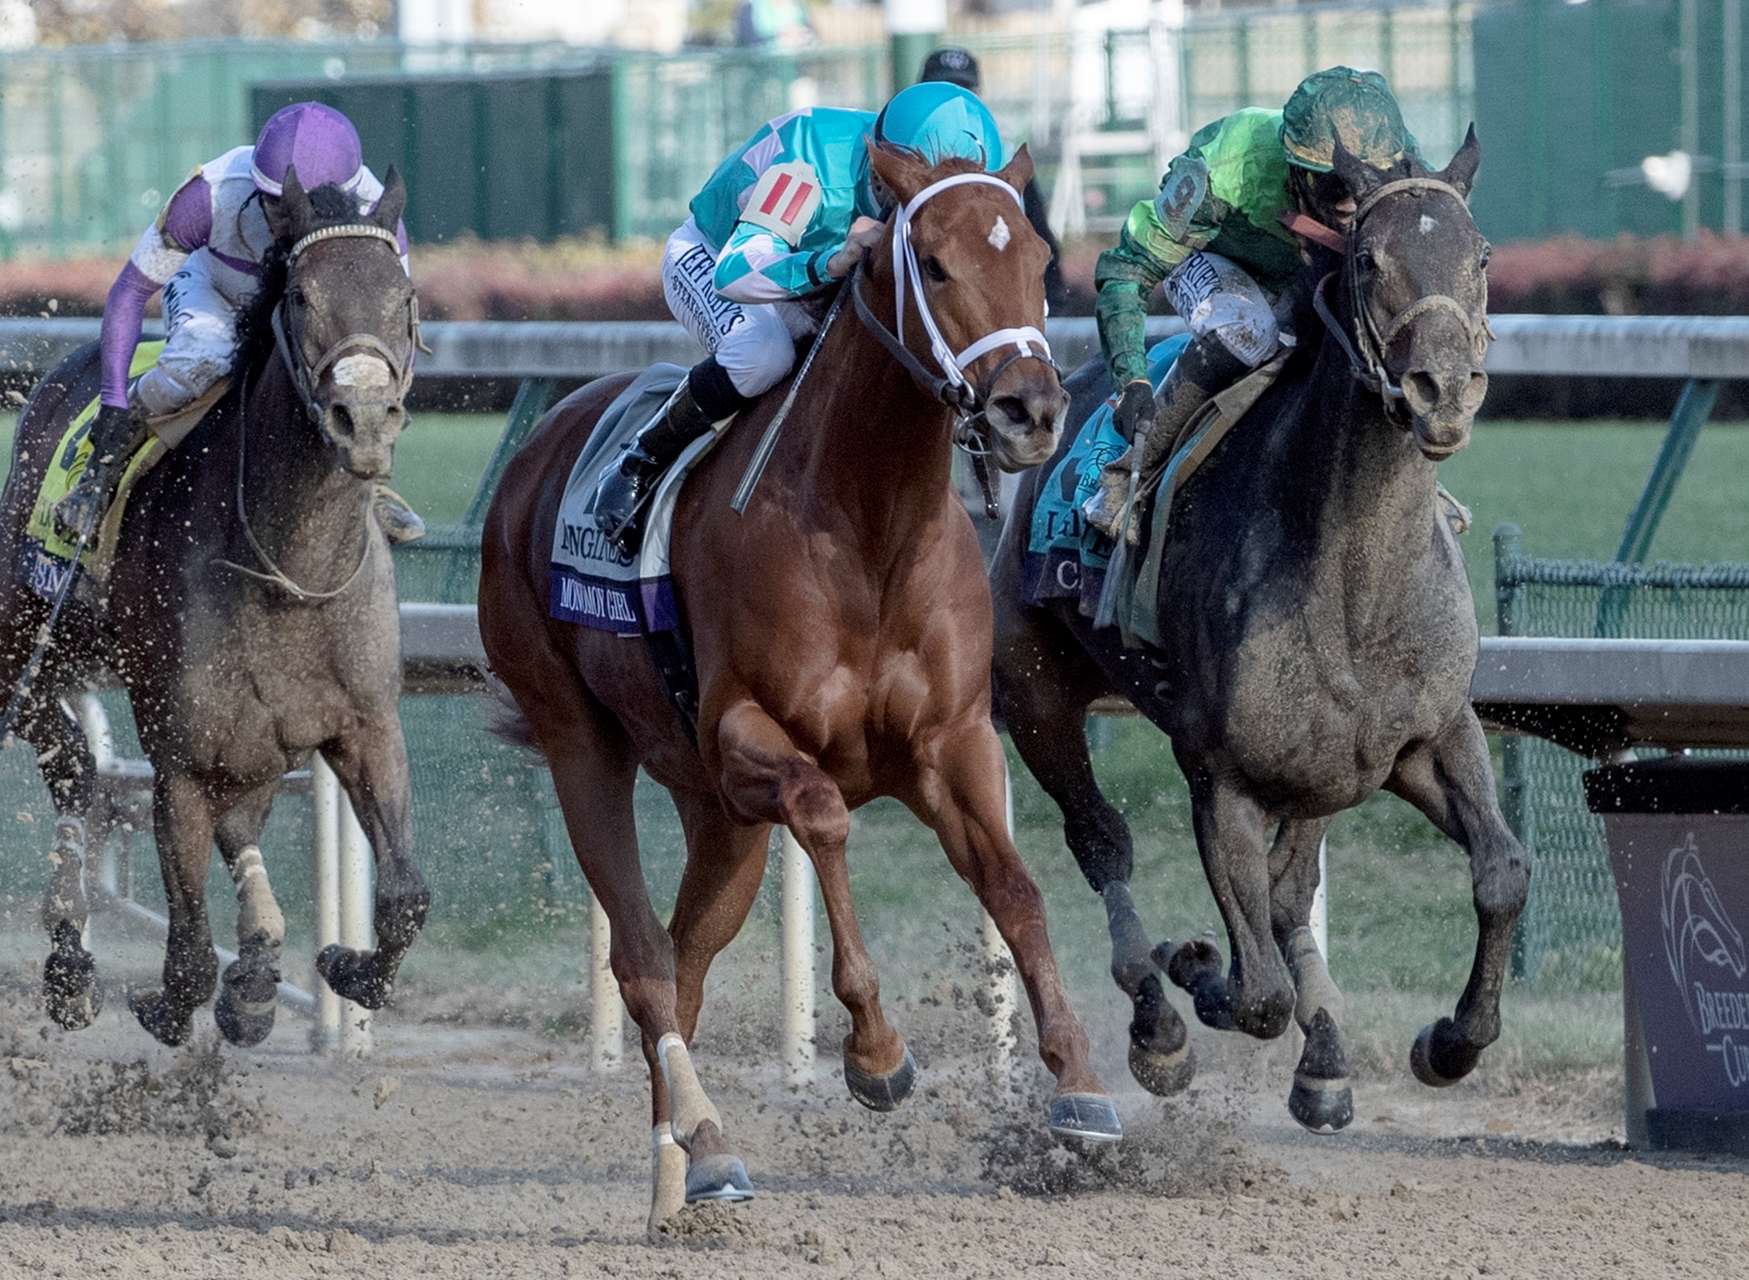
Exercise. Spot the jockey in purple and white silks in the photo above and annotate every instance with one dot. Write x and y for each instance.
(205, 251)
(787, 214)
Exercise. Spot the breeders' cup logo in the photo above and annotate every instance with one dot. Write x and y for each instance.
(1704, 947)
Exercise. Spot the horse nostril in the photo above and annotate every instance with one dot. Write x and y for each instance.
(1421, 390)
(1475, 391)
(341, 418)
(1012, 408)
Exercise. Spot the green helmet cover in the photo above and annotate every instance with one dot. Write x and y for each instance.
(938, 120)
(1356, 106)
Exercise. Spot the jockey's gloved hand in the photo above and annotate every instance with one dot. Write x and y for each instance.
(1135, 410)
(111, 432)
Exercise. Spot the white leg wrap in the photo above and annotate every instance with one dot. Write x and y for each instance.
(65, 899)
(259, 919)
(687, 1097)
(1313, 986)
(667, 1174)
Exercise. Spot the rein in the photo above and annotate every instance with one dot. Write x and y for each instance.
(1367, 349)
(304, 379)
(952, 388)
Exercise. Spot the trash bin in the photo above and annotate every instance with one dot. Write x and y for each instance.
(1679, 846)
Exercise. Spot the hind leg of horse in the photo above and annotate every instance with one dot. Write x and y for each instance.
(725, 863)
(65, 762)
(960, 778)
(249, 988)
(1256, 996)
(183, 823)
(371, 766)
(765, 776)
(1451, 779)
(1044, 683)
(1322, 1099)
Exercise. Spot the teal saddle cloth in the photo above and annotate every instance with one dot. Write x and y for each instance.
(1066, 558)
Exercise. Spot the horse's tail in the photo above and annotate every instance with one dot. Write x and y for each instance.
(506, 722)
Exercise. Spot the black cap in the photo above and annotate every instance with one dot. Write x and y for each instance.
(955, 66)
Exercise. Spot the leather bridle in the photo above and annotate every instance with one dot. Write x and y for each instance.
(1367, 349)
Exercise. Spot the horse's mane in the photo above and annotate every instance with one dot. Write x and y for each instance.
(944, 168)
(332, 207)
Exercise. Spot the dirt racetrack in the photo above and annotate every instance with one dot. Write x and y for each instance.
(466, 1148)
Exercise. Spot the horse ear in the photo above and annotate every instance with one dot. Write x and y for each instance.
(1018, 171)
(905, 175)
(1358, 176)
(393, 203)
(1461, 172)
(290, 216)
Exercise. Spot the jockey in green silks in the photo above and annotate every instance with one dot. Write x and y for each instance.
(1214, 236)
(787, 214)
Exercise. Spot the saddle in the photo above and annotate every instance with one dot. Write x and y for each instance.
(45, 558)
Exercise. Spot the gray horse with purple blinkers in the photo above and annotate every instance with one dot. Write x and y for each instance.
(1317, 638)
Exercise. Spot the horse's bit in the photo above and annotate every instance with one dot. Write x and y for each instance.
(971, 427)
(304, 379)
(1368, 363)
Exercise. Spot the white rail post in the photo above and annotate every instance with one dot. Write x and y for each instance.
(356, 918)
(798, 960)
(607, 1050)
(1321, 904)
(1000, 962)
(325, 1036)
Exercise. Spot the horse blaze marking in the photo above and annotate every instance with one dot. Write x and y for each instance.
(1427, 225)
(1000, 235)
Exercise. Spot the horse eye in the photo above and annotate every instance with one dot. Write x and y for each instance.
(1487, 253)
(932, 265)
(297, 297)
(1366, 262)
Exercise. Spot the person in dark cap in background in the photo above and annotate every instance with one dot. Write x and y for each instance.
(957, 66)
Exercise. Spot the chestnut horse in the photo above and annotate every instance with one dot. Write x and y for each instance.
(841, 625)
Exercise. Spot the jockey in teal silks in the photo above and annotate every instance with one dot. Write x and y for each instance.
(1216, 236)
(786, 215)
(206, 252)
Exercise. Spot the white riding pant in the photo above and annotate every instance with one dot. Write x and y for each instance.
(1216, 295)
(200, 335)
(755, 343)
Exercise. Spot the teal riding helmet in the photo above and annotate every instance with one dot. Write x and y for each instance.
(938, 120)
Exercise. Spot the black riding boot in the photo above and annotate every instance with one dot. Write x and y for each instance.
(1204, 370)
(704, 399)
(115, 433)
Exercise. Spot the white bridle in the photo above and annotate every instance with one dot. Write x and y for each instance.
(1029, 341)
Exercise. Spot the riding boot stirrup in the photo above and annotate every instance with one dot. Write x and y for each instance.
(627, 484)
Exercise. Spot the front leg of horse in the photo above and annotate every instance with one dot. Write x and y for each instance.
(764, 776)
(1321, 1099)
(1256, 996)
(1451, 779)
(249, 991)
(961, 779)
(372, 769)
(183, 824)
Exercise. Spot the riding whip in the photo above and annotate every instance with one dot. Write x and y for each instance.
(768, 441)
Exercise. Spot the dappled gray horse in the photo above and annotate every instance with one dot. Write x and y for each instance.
(1318, 638)
(251, 614)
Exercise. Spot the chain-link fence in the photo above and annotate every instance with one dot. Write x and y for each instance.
(1570, 934)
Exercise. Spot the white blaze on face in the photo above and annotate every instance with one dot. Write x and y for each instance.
(1000, 235)
(1427, 225)
(362, 373)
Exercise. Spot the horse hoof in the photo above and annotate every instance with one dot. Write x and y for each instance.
(1162, 1074)
(352, 975)
(1321, 1098)
(1090, 1117)
(70, 988)
(247, 1003)
(719, 1177)
(1425, 1054)
(156, 1016)
(882, 1093)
